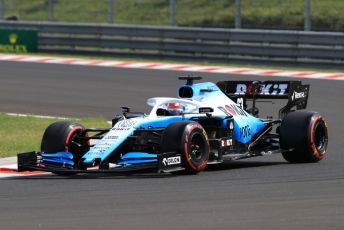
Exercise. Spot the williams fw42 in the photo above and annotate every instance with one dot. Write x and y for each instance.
(207, 124)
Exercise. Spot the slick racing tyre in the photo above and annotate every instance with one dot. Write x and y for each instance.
(303, 137)
(191, 141)
(61, 137)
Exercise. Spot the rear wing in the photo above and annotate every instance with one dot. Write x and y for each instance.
(294, 91)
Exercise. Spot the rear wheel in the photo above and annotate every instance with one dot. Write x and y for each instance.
(64, 136)
(303, 137)
(191, 141)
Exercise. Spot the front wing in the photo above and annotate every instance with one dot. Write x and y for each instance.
(167, 162)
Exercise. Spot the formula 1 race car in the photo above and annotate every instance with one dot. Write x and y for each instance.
(208, 124)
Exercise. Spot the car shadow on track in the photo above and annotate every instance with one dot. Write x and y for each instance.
(232, 165)
(226, 166)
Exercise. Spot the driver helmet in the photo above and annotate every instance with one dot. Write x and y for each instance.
(175, 108)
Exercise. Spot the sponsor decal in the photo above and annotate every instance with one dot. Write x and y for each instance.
(171, 161)
(266, 89)
(250, 89)
(98, 150)
(121, 129)
(103, 145)
(297, 95)
(225, 143)
(245, 131)
(235, 110)
(18, 41)
(111, 137)
(124, 125)
(12, 46)
(230, 111)
(240, 102)
(274, 89)
(224, 111)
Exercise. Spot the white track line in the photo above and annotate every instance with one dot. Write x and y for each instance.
(39, 116)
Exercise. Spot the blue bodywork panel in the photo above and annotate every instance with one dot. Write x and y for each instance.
(139, 161)
(66, 155)
(58, 158)
(137, 158)
(138, 155)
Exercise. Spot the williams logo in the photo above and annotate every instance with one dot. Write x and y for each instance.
(13, 38)
(297, 95)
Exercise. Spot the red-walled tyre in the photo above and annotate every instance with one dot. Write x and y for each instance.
(61, 137)
(191, 141)
(303, 137)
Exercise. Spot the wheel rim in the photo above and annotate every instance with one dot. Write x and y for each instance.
(197, 147)
(75, 148)
(320, 137)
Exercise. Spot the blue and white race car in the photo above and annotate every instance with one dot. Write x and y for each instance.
(207, 124)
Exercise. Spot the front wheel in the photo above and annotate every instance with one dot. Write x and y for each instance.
(303, 137)
(65, 136)
(191, 141)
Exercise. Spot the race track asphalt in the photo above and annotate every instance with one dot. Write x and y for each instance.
(259, 193)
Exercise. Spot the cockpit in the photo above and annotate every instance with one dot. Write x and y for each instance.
(163, 106)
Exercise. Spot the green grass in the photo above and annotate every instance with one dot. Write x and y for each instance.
(22, 134)
(285, 14)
